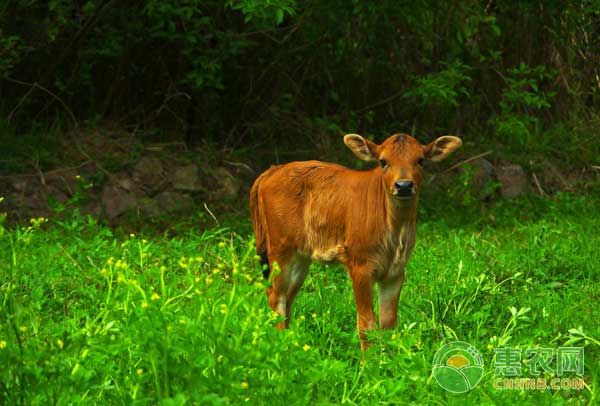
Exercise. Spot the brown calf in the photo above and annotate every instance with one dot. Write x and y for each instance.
(305, 211)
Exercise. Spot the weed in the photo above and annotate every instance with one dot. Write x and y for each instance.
(96, 316)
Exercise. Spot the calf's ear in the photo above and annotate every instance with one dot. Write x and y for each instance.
(363, 149)
(441, 148)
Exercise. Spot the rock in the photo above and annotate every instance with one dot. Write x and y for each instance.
(126, 183)
(36, 201)
(92, 208)
(149, 173)
(554, 179)
(186, 178)
(172, 202)
(54, 192)
(148, 207)
(483, 179)
(513, 181)
(228, 186)
(20, 185)
(64, 181)
(473, 180)
(116, 200)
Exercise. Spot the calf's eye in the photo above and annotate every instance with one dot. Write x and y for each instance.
(383, 163)
(420, 161)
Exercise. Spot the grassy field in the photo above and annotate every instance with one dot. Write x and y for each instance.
(99, 316)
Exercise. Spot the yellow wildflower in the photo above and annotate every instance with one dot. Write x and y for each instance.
(155, 296)
(60, 343)
(306, 347)
(2, 345)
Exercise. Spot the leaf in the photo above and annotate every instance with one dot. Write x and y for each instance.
(279, 16)
(576, 331)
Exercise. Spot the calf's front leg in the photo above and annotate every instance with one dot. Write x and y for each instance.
(362, 284)
(389, 293)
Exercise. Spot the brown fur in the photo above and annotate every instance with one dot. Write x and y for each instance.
(305, 211)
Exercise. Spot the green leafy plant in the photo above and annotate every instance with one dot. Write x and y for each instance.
(443, 88)
(263, 10)
(522, 101)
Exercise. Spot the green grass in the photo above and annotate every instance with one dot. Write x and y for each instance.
(92, 315)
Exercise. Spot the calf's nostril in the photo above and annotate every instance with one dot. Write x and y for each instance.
(403, 185)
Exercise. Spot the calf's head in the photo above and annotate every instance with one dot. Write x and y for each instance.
(401, 159)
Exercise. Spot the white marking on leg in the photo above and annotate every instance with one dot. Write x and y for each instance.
(282, 305)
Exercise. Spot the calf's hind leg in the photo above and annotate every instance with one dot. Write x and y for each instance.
(286, 285)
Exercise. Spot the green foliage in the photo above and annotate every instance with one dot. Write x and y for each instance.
(269, 11)
(522, 99)
(441, 88)
(524, 93)
(253, 73)
(11, 52)
(93, 315)
(40, 148)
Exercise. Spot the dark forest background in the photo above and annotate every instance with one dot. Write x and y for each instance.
(262, 77)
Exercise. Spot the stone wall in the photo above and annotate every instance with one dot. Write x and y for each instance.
(162, 185)
(152, 187)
